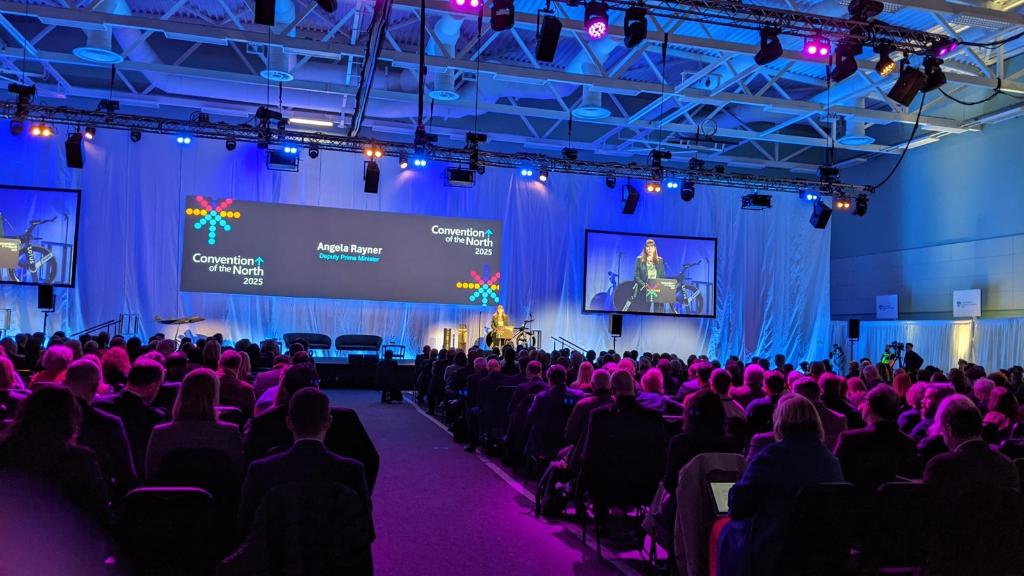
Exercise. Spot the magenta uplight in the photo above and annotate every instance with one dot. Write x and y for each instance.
(595, 20)
(817, 47)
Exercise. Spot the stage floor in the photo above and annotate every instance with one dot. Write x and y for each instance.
(339, 372)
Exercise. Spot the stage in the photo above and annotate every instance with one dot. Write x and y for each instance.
(359, 372)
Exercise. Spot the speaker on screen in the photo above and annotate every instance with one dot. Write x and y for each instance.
(615, 325)
(550, 29)
(45, 297)
(853, 329)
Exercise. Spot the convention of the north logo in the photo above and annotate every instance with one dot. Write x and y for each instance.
(483, 290)
(211, 218)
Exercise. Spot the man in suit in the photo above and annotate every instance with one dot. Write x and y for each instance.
(307, 460)
(548, 414)
(132, 405)
(478, 400)
(833, 423)
(933, 396)
(346, 435)
(971, 464)
(103, 433)
(533, 385)
(271, 378)
(601, 385)
(879, 453)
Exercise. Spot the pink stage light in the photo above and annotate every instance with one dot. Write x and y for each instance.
(597, 30)
(817, 46)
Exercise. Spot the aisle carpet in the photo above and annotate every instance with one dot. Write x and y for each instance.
(440, 511)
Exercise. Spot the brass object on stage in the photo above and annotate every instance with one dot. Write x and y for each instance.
(446, 339)
(463, 336)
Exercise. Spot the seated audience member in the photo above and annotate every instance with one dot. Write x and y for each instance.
(576, 426)
(703, 432)
(971, 464)
(102, 433)
(478, 403)
(980, 391)
(721, 383)
(759, 411)
(583, 377)
(1003, 414)
(547, 416)
(194, 425)
(269, 432)
(832, 396)
(870, 376)
(176, 365)
(387, 379)
(10, 394)
(855, 392)
(911, 414)
(56, 360)
(933, 396)
(533, 384)
(270, 378)
(832, 423)
(761, 503)
(901, 383)
(211, 352)
(41, 444)
(132, 406)
(308, 459)
(116, 366)
(233, 390)
(652, 395)
(879, 453)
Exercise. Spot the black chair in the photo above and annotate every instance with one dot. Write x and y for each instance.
(821, 534)
(978, 533)
(205, 468)
(314, 340)
(494, 416)
(897, 536)
(169, 531)
(231, 415)
(358, 343)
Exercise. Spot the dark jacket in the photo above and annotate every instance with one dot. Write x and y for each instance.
(138, 418)
(346, 437)
(762, 502)
(73, 470)
(875, 455)
(237, 393)
(523, 390)
(640, 269)
(623, 436)
(546, 418)
(972, 466)
(759, 413)
(305, 461)
(105, 435)
(579, 419)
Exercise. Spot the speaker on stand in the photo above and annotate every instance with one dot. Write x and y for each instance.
(615, 328)
(852, 335)
(45, 301)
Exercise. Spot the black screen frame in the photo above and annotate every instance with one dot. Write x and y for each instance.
(586, 251)
(74, 248)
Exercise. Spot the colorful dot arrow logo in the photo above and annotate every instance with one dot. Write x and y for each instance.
(483, 291)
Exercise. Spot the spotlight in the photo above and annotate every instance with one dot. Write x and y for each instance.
(373, 151)
(526, 172)
(771, 48)
(403, 161)
(671, 184)
(863, 10)
(696, 164)
(230, 144)
(609, 181)
(657, 156)
(689, 190)
(184, 139)
(817, 46)
(547, 38)
(42, 130)
(290, 149)
(810, 196)
(635, 26)
(595, 19)
(475, 138)
(135, 135)
(543, 176)
(653, 186)
(371, 177)
(466, 4)
(846, 61)
(570, 154)
(421, 162)
(90, 132)
(885, 65)
(934, 77)
(943, 48)
(313, 151)
(841, 203)
(910, 82)
(862, 205)
(503, 15)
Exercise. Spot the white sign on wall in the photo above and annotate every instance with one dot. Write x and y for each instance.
(887, 306)
(967, 303)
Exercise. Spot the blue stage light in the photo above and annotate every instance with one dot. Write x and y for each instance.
(671, 184)
(184, 139)
(290, 149)
(810, 196)
(526, 171)
(419, 162)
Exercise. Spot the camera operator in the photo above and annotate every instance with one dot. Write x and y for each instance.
(912, 360)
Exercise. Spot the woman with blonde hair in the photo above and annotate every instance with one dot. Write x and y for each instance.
(584, 377)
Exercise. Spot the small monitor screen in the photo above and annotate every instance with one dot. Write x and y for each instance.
(720, 492)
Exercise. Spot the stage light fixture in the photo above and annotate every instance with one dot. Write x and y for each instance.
(846, 61)
(943, 48)
(420, 162)
(90, 132)
(689, 190)
(42, 130)
(863, 10)
(609, 181)
(756, 202)
(862, 205)
(547, 38)
(657, 156)
(371, 177)
(289, 148)
(313, 151)
(230, 144)
(670, 184)
(635, 26)
(817, 46)
(885, 65)
(466, 4)
(820, 214)
(570, 154)
(810, 196)
(183, 139)
(526, 171)
(403, 161)
(910, 82)
(503, 15)
(374, 152)
(841, 203)
(475, 138)
(771, 48)
(543, 176)
(653, 186)
(595, 19)
(135, 135)
(934, 77)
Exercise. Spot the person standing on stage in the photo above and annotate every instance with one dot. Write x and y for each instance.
(649, 266)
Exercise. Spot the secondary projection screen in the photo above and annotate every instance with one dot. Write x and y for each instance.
(39, 241)
(239, 247)
(676, 279)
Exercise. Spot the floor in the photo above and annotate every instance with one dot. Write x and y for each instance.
(441, 511)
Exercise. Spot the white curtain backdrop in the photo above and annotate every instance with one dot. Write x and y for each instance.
(773, 267)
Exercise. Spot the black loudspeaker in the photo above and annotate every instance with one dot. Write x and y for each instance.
(550, 29)
(821, 214)
(629, 202)
(45, 299)
(853, 329)
(265, 10)
(371, 177)
(615, 325)
(73, 150)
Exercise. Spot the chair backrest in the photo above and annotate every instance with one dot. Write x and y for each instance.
(978, 532)
(205, 468)
(366, 342)
(694, 512)
(821, 532)
(231, 415)
(634, 444)
(316, 341)
(897, 535)
(169, 531)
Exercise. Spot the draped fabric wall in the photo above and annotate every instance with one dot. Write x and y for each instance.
(773, 267)
(997, 343)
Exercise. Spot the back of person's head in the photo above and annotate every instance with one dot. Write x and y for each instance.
(479, 363)
(753, 376)
(1002, 400)
(166, 346)
(309, 413)
(47, 419)
(653, 381)
(176, 360)
(982, 388)
(145, 375)
(460, 358)
(297, 377)
(957, 420)
(774, 382)
(83, 379)
(493, 365)
(869, 374)
(721, 381)
(8, 374)
(704, 370)
(933, 395)
(197, 396)
(211, 353)
(915, 394)
(831, 386)
(973, 372)
(705, 413)
(601, 380)
(808, 388)
(627, 365)
(301, 357)
(557, 375)
(883, 403)
(622, 384)
(534, 369)
(230, 361)
(57, 358)
(795, 416)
